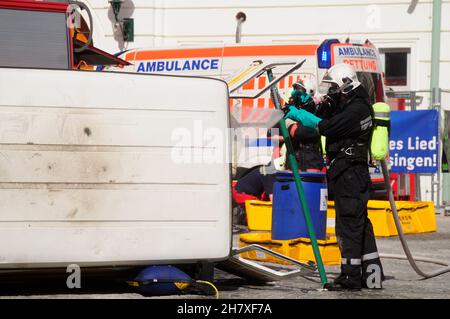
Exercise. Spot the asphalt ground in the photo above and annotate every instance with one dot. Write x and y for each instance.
(402, 281)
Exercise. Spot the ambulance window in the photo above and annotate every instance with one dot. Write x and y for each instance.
(396, 66)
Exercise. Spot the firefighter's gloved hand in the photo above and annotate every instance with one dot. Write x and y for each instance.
(300, 97)
(287, 108)
(307, 119)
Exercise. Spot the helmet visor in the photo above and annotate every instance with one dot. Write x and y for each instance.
(328, 88)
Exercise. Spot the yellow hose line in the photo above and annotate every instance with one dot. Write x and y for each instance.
(210, 284)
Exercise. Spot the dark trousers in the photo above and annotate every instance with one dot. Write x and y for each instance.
(360, 261)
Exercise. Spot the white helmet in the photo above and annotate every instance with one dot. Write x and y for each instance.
(342, 77)
(308, 85)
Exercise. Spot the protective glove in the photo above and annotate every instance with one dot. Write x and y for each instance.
(307, 119)
(286, 109)
(300, 97)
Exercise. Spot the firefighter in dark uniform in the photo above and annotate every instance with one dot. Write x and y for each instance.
(345, 118)
(305, 141)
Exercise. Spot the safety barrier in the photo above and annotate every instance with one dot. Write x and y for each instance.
(416, 217)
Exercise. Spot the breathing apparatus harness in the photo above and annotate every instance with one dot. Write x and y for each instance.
(353, 149)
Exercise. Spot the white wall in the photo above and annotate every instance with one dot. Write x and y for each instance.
(197, 22)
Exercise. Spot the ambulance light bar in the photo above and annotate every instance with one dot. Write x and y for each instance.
(324, 53)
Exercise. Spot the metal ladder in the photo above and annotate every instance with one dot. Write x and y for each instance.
(245, 268)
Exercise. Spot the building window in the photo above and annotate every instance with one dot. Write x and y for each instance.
(396, 67)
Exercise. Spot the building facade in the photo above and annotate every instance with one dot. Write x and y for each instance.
(402, 36)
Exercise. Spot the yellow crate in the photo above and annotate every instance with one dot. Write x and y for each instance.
(427, 216)
(415, 217)
(330, 209)
(259, 215)
(264, 239)
(301, 250)
(410, 222)
(383, 223)
(379, 214)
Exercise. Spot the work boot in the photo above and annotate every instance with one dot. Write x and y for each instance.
(343, 282)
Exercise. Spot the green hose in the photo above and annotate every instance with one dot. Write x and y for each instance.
(301, 194)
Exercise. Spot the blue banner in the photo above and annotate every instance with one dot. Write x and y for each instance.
(413, 145)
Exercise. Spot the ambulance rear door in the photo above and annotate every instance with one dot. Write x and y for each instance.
(363, 57)
(253, 147)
